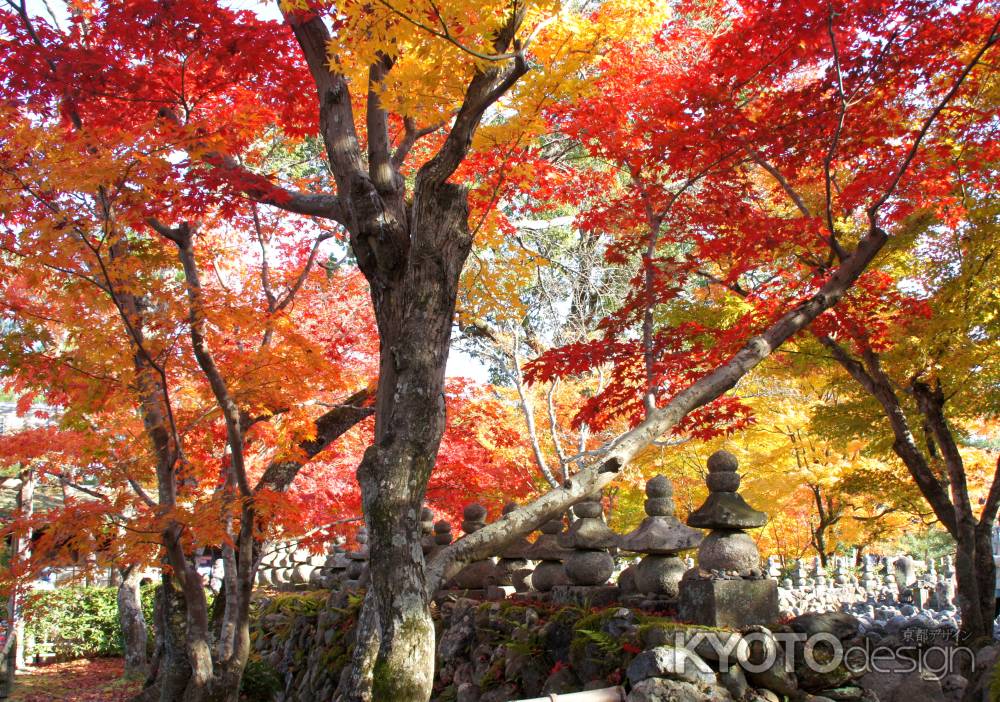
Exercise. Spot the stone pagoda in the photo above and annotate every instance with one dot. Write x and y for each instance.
(512, 567)
(441, 539)
(727, 587)
(589, 565)
(549, 572)
(660, 537)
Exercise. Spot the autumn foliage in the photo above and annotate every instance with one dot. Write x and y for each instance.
(238, 316)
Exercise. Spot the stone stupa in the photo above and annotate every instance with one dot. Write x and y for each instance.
(727, 586)
(589, 565)
(660, 537)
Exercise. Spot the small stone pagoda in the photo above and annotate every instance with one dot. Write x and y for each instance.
(589, 565)
(660, 537)
(549, 572)
(474, 578)
(512, 567)
(356, 573)
(727, 587)
(442, 537)
(426, 530)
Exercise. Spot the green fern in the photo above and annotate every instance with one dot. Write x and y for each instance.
(607, 643)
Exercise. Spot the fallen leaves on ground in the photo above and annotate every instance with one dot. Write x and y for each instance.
(85, 680)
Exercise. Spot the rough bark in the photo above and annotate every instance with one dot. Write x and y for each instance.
(170, 669)
(132, 622)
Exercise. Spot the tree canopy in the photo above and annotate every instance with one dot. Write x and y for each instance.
(237, 247)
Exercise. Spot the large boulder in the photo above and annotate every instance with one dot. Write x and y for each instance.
(902, 685)
(458, 638)
(666, 690)
(828, 638)
(670, 662)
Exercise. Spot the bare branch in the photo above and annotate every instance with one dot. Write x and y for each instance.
(782, 181)
(380, 166)
(330, 426)
(336, 112)
(411, 134)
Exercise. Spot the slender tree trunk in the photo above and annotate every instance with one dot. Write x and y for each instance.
(132, 622)
(985, 569)
(974, 568)
(22, 553)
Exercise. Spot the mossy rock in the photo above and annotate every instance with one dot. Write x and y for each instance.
(657, 631)
(604, 643)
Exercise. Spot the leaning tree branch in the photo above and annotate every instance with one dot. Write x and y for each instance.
(278, 476)
(485, 88)
(874, 381)
(601, 471)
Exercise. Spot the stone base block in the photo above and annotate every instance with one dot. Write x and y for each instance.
(650, 603)
(532, 596)
(586, 595)
(729, 603)
(495, 593)
(458, 593)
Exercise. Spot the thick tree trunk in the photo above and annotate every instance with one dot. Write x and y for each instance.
(415, 318)
(415, 314)
(133, 624)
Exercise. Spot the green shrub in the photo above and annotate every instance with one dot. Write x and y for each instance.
(79, 622)
(73, 622)
(260, 681)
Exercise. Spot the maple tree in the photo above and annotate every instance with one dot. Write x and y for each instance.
(922, 385)
(87, 178)
(709, 122)
(770, 162)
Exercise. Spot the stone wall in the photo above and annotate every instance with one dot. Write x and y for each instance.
(511, 650)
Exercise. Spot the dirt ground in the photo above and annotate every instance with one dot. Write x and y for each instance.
(95, 680)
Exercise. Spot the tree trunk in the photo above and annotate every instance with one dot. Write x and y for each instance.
(22, 553)
(415, 315)
(986, 577)
(171, 670)
(974, 568)
(133, 624)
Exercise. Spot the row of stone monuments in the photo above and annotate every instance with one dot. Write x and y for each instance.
(586, 564)
(725, 586)
(898, 580)
(576, 566)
